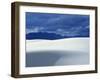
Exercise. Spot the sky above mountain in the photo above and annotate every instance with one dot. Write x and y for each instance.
(62, 24)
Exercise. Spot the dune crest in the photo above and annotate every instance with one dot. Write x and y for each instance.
(69, 44)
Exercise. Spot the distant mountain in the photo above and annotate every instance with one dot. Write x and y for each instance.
(43, 35)
(51, 36)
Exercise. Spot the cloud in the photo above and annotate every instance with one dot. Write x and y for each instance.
(34, 29)
(62, 24)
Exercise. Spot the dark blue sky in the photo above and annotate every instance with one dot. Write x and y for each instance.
(63, 24)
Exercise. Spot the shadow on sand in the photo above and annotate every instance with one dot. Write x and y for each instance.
(56, 58)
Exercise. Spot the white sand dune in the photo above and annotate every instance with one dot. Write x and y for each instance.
(69, 44)
(71, 51)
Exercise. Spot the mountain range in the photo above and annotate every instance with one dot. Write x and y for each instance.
(50, 36)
